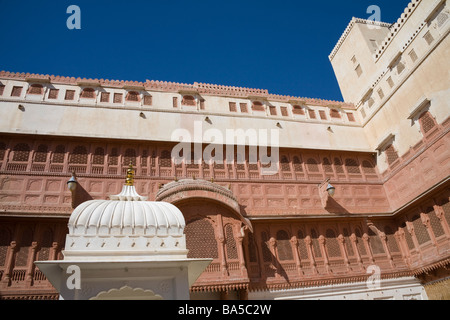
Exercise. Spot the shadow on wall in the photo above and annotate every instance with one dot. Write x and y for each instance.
(80, 195)
(332, 206)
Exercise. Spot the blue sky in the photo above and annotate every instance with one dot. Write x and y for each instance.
(282, 46)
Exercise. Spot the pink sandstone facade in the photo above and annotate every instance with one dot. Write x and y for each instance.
(265, 233)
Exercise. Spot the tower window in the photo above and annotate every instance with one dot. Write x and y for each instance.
(133, 96)
(148, 100)
(70, 95)
(16, 91)
(358, 70)
(257, 106)
(53, 94)
(104, 97)
(88, 93)
(36, 89)
(428, 37)
(189, 101)
(296, 109)
(118, 97)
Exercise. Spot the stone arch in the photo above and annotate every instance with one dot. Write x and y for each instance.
(214, 224)
(187, 189)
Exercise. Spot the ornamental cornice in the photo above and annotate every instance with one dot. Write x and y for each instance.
(426, 269)
(318, 282)
(190, 184)
(166, 86)
(347, 30)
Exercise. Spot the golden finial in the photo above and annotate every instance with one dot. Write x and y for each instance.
(130, 175)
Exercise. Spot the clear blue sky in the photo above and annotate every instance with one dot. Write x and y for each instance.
(282, 46)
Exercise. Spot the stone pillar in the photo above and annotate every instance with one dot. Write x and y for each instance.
(221, 242)
(273, 249)
(354, 241)
(312, 260)
(365, 238)
(440, 214)
(53, 251)
(30, 265)
(324, 253)
(426, 222)
(383, 238)
(239, 239)
(294, 246)
(341, 241)
(400, 235)
(6, 279)
(410, 228)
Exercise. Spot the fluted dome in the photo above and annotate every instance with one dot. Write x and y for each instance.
(125, 227)
(124, 217)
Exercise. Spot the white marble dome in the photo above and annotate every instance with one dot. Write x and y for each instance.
(131, 218)
(125, 227)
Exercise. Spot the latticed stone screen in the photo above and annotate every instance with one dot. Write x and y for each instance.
(297, 164)
(99, 156)
(58, 155)
(435, 223)
(41, 154)
(113, 158)
(408, 237)
(338, 165)
(5, 240)
(420, 230)
(426, 122)
(375, 242)
(284, 246)
(312, 165)
(200, 239)
(327, 166)
(130, 157)
(21, 152)
(391, 241)
(391, 154)
(285, 164)
(230, 243)
(302, 245)
(165, 160)
(352, 166)
(368, 167)
(79, 155)
(332, 244)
